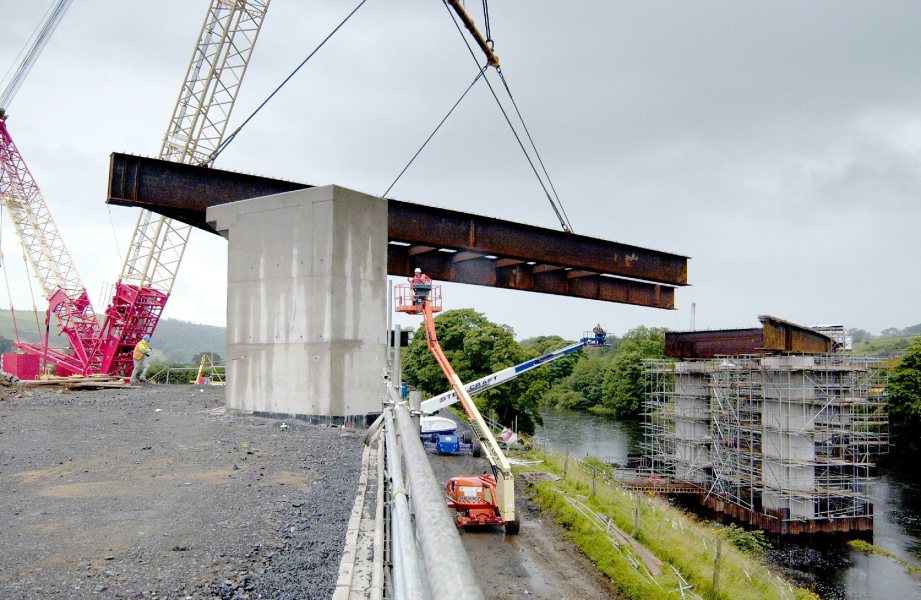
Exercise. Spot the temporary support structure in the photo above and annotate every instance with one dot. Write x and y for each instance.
(787, 442)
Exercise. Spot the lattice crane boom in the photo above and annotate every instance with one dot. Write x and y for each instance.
(43, 246)
(199, 121)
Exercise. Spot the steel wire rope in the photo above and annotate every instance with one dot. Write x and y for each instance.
(26, 45)
(419, 151)
(32, 296)
(223, 145)
(6, 279)
(533, 145)
(559, 216)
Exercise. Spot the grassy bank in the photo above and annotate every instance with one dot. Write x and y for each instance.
(869, 548)
(687, 548)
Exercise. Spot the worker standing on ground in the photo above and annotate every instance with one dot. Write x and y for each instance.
(141, 352)
(422, 285)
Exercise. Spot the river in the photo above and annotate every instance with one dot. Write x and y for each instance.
(824, 564)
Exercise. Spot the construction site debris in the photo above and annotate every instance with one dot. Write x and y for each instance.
(92, 382)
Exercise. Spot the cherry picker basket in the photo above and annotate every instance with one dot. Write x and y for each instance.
(409, 298)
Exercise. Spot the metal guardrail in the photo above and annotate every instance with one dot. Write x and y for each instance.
(427, 558)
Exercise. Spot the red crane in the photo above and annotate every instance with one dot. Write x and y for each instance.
(197, 126)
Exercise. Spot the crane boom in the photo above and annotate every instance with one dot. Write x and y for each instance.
(43, 246)
(196, 128)
(38, 45)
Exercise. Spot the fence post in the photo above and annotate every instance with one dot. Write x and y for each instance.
(594, 474)
(636, 516)
(566, 465)
(716, 565)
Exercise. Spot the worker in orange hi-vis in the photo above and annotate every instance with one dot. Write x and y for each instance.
(422, 285)
(141, 352)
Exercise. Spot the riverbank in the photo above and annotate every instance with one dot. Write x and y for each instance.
(587, 495)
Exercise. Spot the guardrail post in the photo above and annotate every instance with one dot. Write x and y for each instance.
(716, 565)
(636, 517)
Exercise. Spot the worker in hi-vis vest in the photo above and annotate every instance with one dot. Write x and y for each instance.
(141, 352)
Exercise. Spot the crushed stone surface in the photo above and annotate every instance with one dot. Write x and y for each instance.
(147, 493)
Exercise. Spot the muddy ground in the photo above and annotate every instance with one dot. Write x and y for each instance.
(538, 563)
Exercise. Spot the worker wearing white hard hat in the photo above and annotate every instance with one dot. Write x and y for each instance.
(421, 284)
(141, 352)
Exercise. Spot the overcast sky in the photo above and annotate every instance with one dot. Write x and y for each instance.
(777, 144)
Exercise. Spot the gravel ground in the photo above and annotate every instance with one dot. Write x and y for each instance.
(145, 493)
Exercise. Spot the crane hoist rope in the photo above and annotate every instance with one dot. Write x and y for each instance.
(493, 61)
(233, 135)
(429, 139)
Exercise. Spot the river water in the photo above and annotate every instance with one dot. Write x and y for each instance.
(824, 564)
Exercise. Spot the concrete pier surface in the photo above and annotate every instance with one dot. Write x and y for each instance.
(306, 304)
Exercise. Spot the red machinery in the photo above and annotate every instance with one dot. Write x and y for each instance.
(479, 500)
(200, 117)
(474, 499)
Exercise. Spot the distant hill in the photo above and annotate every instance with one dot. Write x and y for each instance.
(887, 344)
(174, 341)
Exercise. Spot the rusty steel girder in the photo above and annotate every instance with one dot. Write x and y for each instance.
(775, 336)
(448, 245)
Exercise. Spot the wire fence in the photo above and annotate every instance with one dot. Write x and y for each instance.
(699, 561)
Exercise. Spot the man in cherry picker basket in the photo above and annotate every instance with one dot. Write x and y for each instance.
(422, 285)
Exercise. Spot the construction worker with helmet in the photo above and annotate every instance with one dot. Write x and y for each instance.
(141, 352)
(422, 285)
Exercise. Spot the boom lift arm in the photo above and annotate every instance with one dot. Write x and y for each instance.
(502, 470)
(436, 403)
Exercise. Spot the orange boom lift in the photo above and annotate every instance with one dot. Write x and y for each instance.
(480, 499)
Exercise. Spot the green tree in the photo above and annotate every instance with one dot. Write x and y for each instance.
(476, 347)
(624, 384)
(905, 396)
(6, 345)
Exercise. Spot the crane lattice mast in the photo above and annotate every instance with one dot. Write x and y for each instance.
(43, 246)
(197, 126)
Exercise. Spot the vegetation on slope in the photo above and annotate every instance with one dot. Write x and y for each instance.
(686, 546)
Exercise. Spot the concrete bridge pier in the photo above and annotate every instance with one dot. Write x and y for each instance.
(306, 304)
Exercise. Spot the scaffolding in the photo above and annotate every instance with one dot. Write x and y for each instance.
(782, 439)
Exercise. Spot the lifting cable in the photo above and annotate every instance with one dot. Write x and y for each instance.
(7, 279)
(231, 137)
(556, 205)
(470, 87)
(32, 296)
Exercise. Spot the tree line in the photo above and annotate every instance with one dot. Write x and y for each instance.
(608, 380)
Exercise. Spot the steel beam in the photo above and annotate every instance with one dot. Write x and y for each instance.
(449, 245)
(775, 336)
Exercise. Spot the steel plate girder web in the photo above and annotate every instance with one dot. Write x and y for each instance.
(442, 228)
(449, 245)
(528, 277)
